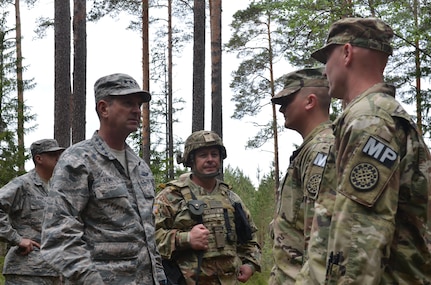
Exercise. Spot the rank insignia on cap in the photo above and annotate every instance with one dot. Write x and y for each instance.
(364, 177)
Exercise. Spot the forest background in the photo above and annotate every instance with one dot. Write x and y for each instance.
(260, 41)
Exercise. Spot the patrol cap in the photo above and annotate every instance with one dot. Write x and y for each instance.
(44, 145)
(371, 33)
(118, 84)
(294, 81)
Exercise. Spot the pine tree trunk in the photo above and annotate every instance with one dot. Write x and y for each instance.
(20, 89)
(145, 84)
(62, 87)
(198, 116)
(79, 70)
(216, 67)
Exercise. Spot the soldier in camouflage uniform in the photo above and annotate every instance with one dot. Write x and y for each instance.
(205, 247)
(21, 213)
(374, 219)
(99, 227)
(305, 105)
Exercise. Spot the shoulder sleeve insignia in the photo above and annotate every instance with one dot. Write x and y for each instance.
(313, 185)
(380, 152)
(364, 177)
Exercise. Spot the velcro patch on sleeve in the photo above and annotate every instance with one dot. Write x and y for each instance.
(320, 159)
(380, 151)
(367, 171)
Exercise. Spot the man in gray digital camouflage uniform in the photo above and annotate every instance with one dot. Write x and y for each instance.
(372, 215)
(196, 229)
(99, 226)
(22, 202)
(305, 105)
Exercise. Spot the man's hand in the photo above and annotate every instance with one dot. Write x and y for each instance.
(245, 272)
(27, 245)
(199, 237)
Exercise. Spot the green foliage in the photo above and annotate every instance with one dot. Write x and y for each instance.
(255, 40)
(409, 67)
(10, 156)
(260, 203)
(101, 8)
(270, 30)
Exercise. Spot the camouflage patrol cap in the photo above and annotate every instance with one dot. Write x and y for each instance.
(118, 84)
(44, 145)
(371, 33)
(200, 139)
(294, 81)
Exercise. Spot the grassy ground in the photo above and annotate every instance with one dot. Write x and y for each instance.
(257, 279)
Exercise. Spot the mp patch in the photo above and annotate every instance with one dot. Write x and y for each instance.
(380, 152)
(364, 177)
(313, 186)
(320, 159)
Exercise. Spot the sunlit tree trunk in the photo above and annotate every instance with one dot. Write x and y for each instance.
(145, 84)
(216, 67)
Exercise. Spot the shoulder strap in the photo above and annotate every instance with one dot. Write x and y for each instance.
(187, 194)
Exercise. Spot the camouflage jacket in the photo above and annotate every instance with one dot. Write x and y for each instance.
(22, 203)
(174, 221)
(291, 225)
(98, 226)
(377, 189)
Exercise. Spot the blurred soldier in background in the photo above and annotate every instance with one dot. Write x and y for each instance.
(22, 202)
(305, 105)
(204, 231)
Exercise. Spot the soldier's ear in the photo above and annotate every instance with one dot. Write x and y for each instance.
(102, 107)
(310, 101)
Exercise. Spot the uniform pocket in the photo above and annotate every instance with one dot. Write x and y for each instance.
(109, 191)
(116, 250)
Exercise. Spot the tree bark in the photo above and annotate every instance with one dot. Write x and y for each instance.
(170, 133)
(62, 87)
(79, 70)
(198, 116)
(145, 84)
(20, 88)
(216, 67)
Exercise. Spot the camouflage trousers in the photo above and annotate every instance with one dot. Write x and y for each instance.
(12, 279)
(286, 277)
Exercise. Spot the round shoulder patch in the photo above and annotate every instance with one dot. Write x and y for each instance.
(313, 185)
(364, 177)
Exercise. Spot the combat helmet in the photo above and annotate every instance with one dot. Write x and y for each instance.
(198, 140)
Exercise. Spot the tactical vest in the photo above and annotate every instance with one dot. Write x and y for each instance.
(217, 217)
